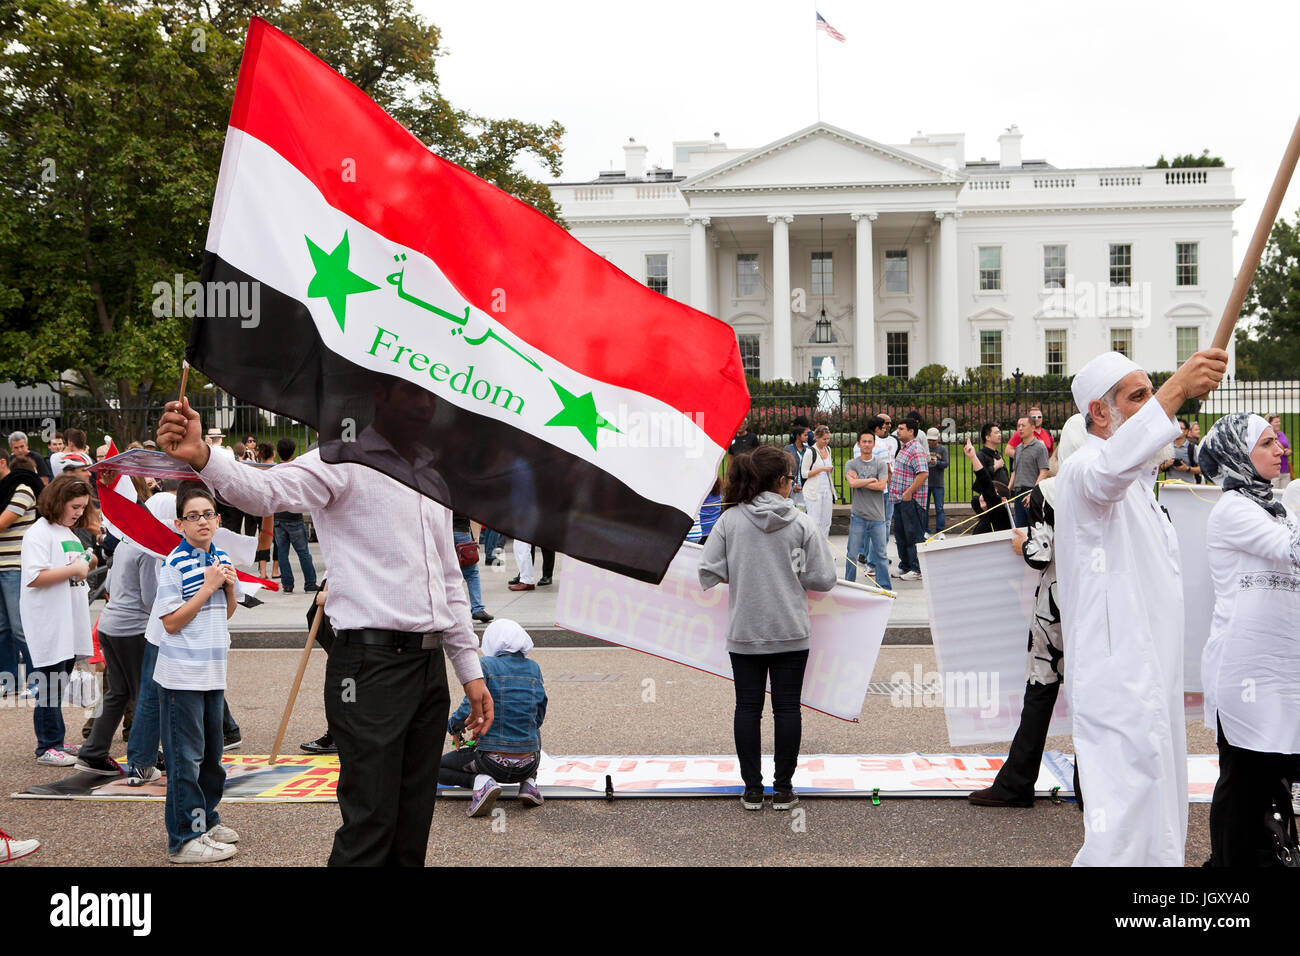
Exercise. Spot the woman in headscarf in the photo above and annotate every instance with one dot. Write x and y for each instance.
(511, 751)
(1251, 660)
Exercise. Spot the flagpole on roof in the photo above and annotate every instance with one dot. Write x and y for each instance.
(817, 59)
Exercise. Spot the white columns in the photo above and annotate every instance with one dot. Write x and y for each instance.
(782, 359)
(944, 331)
(699, 262)
(864, 306)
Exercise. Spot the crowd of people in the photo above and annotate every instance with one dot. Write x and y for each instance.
(161, 641)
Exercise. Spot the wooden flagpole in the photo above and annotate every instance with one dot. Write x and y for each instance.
(297, 680)
(1255, 251)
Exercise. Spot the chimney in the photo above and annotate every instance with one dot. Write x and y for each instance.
(634, 163)
(1009, 142)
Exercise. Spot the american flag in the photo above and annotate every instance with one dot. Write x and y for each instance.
(829, 30)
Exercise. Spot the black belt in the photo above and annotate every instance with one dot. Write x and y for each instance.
(398, 640)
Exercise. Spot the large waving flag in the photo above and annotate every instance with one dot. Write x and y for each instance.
(574, 408)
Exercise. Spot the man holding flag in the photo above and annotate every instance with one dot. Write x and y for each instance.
(395, 601)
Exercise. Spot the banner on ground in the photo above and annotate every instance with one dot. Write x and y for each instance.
(400, 297)
(980, 596)
(680, 621)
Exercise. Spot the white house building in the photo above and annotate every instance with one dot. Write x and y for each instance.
(889, 258)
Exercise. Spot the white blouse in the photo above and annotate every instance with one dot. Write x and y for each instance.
(1251, 664)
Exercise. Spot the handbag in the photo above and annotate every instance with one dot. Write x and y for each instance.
(467, 553)
(1280, 824)
(82, 689)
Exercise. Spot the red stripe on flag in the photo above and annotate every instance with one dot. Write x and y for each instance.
(148, 533)
(502, 255)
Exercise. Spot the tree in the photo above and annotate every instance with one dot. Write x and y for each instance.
(1269, 348)
(1188, 160)
(109, 150)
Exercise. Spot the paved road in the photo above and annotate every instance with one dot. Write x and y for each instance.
(691, 714)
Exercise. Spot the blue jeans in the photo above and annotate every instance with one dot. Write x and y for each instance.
(142, 747)
(295, 533)
(470, 574)
(869, 538)
(909, 529)
(191, 732)
(936, 495)
(491, 542)
(13, 644)
(47, 715)
(1021, 508)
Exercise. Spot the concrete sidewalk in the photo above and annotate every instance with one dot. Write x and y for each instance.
(281, 620)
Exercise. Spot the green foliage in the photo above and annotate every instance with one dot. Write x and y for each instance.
(111, 140)
(1270, 347)
(1188, 160)
(931, 375)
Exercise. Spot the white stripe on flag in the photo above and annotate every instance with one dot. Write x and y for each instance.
(265, 208)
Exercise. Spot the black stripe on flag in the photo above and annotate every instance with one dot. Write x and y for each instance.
(504, 477)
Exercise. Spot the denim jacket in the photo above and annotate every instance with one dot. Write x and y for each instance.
(518, 701)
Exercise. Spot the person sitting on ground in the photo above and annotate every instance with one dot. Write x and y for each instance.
(55, 608)
(511, 751)
(198, 592)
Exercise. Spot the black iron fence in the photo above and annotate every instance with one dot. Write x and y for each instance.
(136, 419)
(961, 410)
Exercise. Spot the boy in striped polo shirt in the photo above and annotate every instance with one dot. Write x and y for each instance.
(197, 593)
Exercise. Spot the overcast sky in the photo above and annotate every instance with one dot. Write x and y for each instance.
(1089, 84)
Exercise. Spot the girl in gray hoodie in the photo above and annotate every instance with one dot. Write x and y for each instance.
(769, 554)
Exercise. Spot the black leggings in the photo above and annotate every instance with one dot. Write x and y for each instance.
(751, 673)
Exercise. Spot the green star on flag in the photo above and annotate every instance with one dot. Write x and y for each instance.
(334, 281)
(580, 413)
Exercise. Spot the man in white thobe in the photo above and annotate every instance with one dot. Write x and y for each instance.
(1121, 595)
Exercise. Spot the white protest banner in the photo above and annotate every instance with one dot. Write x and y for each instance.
(980, 596)
(679, 621)
(1189, 508)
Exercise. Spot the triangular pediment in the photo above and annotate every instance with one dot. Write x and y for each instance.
(822, 155)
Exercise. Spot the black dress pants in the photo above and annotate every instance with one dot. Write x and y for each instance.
(548, 560)
(1016, 779)
(387, 710)
(123, 657)
(1243, 796)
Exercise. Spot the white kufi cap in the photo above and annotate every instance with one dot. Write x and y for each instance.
(1099, 376)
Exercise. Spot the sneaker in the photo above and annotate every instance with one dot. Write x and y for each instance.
(54, 757)
(910, 576)
(529, 794)
(311, 587)
(106, 766)
(137, 777)
(480, 805)
(231, 741)
(223, 834)
(752, 798)
(11, 849)
(324, 744)
(784, 799)
(203, 849)
(543, 582)
(483, 616)
(73, 749)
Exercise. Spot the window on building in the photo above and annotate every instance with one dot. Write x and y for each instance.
(1185, 259)
(823, 274)
(895, 270)
(1188, 342)
(991, 351)
(1121, 341)
(1121, 265)
(750, 354)
(1056, 351)
(990, 268)
(656, 272)
(1053, 267)
(896, 354)
(815, 370)
(747, 278)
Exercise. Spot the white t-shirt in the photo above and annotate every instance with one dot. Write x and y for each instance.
(56, 618)
(886, 448)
